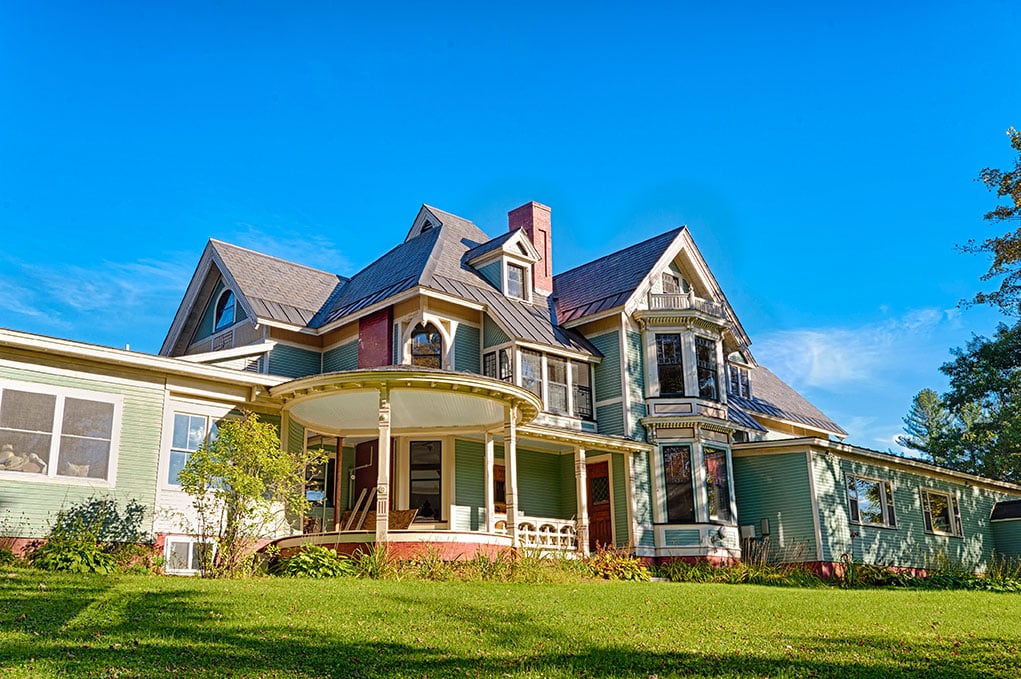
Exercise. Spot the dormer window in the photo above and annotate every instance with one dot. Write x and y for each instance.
(426, 347)
(225, 311)
(738, 376)
(517, 282)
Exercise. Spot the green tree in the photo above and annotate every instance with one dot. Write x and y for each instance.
(243, 485)
(926, 422)
(1005, 249)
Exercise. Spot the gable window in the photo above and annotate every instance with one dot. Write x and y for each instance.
(225, 311)
(717, 484)
(738, 383)
(498, 365)
(556, 375)
(516, 282)
(669, 364)
(191, 432)
(941, 513)
(705, 364)
(52, 433)
(531, 371)
(680, 498)
(871, 502)
(425, 481)
(426, 347)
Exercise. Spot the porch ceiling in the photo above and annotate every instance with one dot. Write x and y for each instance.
(420, 399)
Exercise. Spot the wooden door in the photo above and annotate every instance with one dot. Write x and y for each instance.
(600, 527)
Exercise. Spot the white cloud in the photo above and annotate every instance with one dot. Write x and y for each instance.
(304, 248)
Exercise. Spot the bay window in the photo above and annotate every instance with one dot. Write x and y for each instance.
(670, 364)
(705, 364)
(680, 498)
(718, 484)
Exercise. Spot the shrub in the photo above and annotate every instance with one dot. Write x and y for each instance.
(72, 555)
(314, 561)
(377, 563)
(102, 517)
(8, 557)
(611, 563)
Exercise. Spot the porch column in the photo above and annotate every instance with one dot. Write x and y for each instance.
(581, 490)
(487, 483)
(383, 472)
(510, 462)
(338, 472)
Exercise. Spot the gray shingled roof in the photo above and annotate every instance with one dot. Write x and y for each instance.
(488, 246)
(609, 281)
(772, 397)
(275, 288)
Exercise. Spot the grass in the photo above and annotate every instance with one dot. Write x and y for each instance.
(137, 626)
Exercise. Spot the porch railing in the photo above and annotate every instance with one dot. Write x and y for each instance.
(547, 534)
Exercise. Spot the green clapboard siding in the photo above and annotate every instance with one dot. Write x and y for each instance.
(608, 372)
(341, 358)
(643, 501)
(295, 436)
(907, 544)
(610, 419)
(205, 328)
(635, 386)
(469, 486)
(568, 487)
(30, 504)
(492, 333)
(491, 272)
(1007, 537)
(539, 485)
(621, 515)
(681, 537)
(467, 357)
(289, 361)
(776, 487)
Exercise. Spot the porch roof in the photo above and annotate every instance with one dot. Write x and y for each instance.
(421, 399)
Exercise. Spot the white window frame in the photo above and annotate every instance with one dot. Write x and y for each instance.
(218, 314)
(526, 280)
(956, 527)
(888, 508)
(61, 394)
(191, 542)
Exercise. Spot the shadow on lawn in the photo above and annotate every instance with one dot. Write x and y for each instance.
(93, 630)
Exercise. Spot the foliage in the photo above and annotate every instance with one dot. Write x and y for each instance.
(314, 561)
(611, 563)
(377, 562)
(782, 575)
(928, 419)
(941, 573)
(242, 484)
(1006, 249)
(72, 555)
(8, 558)
(102, 517)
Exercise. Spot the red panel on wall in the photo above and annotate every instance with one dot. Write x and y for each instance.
(375, 339)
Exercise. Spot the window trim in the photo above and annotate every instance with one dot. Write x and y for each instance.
(667, 484)
(219, 315)
(953, 506)
(725, 453)
(61, 394)
(526, 288)
(191, 541)
(680, 363)
(887, 502)
(425, 328)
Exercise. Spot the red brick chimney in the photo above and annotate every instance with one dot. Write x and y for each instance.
(534, 218)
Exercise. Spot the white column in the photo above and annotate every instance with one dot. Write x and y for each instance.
(510, 461)
(581, 490)
(383, 468)
(487, 481)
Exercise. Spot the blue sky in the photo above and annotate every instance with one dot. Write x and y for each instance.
(823, 157)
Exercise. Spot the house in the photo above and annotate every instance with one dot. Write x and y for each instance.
(471, 401)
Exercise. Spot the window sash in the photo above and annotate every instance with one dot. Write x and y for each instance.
(515, 281)
(941, 513)
(705, 366)
(718, 484)
(426, 347)
(871, 502)
(678, 484)
(670, 364)
(425, 479)
(190, 433)
(556, 374)
(531, 371)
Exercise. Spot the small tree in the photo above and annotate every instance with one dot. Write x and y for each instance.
(243, 485)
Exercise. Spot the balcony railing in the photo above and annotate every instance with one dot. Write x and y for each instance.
(684, 302)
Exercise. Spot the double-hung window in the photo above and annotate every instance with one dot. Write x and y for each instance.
(57, 432)
(871, 502)
(517, 282)
(191, 432)
(556, 374)
(680, 496)
(531, 371)
(941, 513)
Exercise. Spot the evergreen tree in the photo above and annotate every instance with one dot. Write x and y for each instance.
(926, 422)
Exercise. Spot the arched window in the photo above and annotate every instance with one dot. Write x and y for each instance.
(225, 306)
(426, 347)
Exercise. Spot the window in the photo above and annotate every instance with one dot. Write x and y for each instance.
(556, 374)
(497, 364)
(425, 493)
(531, 371)
(670, 365)
(57, 434)
(426, 347)
(718, 484)
(671, 284)
(739, 383)
(499, 489)
(225, 311)
(705, 364)
(516, 281)
(941, 513)
(871, 502)
(680, 499)
(581, 385)
(184, 555)
(191, 432)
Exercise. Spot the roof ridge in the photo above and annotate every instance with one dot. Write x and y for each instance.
(217, 241)
(674, 231)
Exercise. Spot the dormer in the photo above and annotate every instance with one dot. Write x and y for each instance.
(739, 369)
(506, 262)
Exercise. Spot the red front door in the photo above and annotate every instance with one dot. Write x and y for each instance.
(600, 530)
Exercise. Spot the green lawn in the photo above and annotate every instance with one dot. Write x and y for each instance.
(128, 626)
